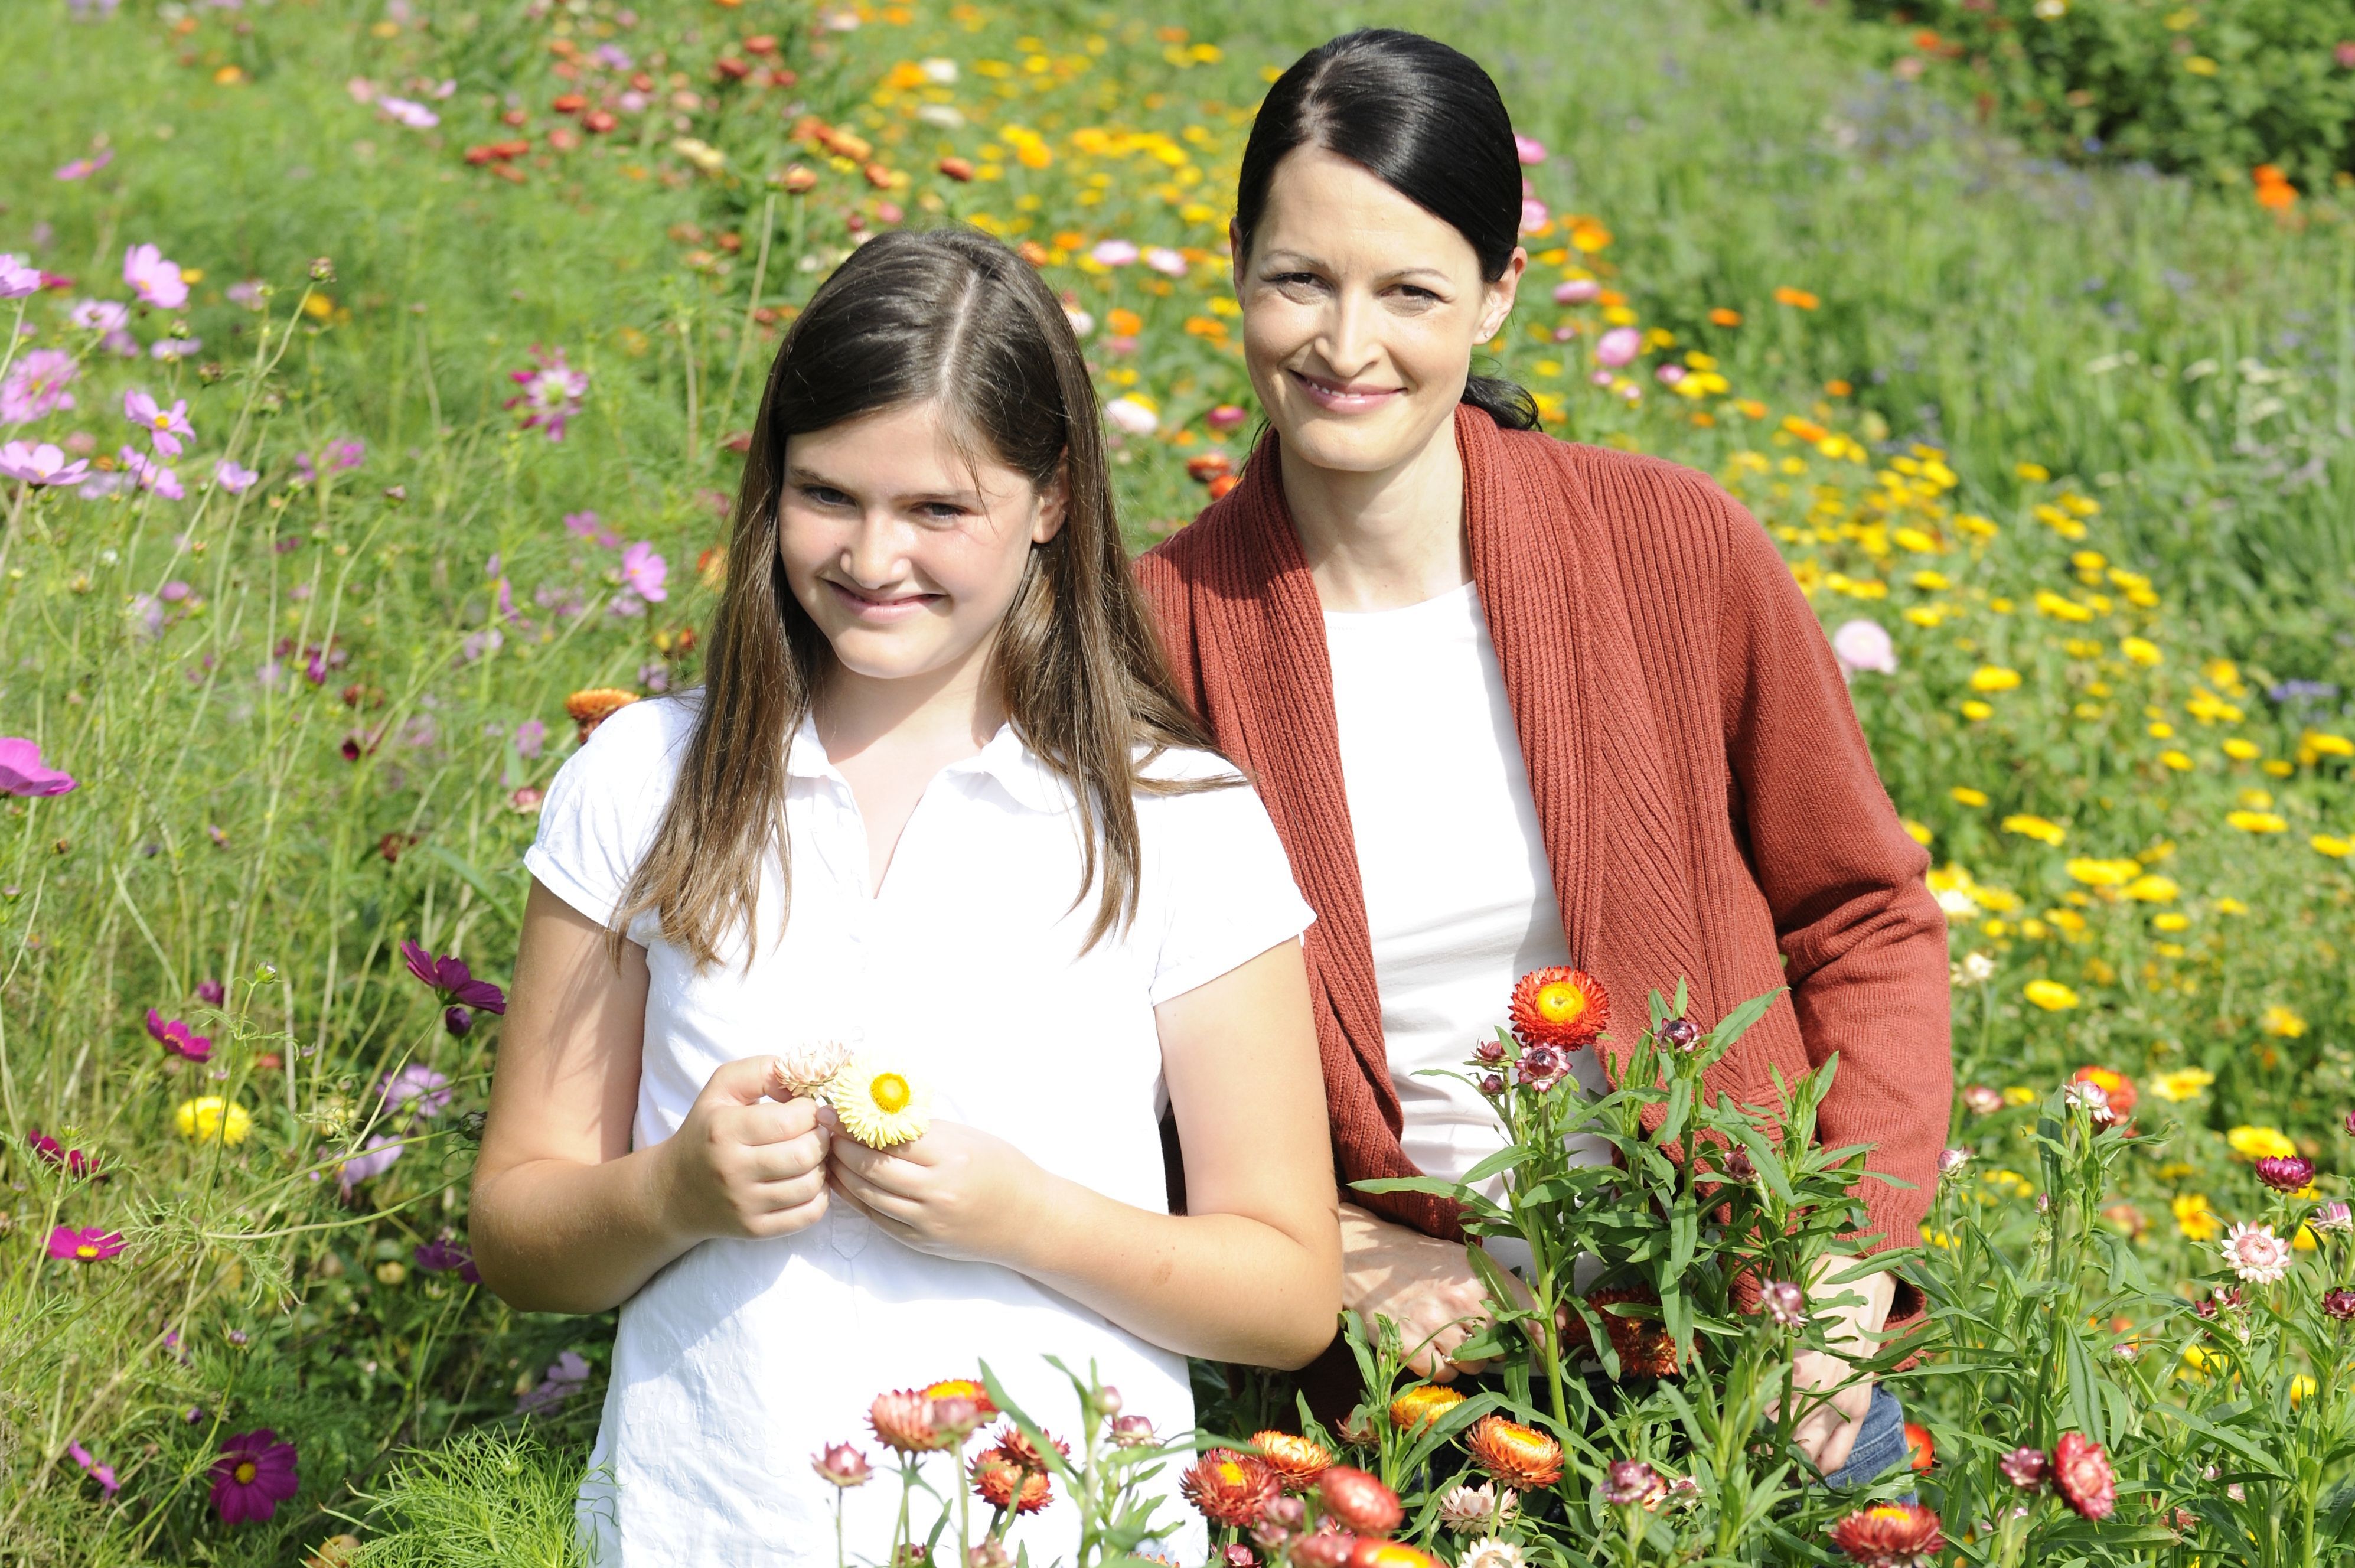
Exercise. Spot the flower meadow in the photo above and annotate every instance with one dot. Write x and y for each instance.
(370, 411)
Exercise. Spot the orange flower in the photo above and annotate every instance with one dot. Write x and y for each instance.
(903, 1420)
(963, 1388)
(2117, 1087)
(1921, 1449)
(1522, 1457)
(957, 169)
(1890, 1535)
(1296, 1461)
(1358, 1503)
(2274, 189)
(1390, 1554)
(1797, 299)
(1124, 322)
(1723, 317)
(1421, 1406)
(1003, 1482)
(592, 707)
(1646, 1349)
(1565, 1008)
(1229, 1488)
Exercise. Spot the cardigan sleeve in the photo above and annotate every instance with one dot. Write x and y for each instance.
(1863, 940)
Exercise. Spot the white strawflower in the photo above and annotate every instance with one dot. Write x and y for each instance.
(2256, 1255)
(809, 1067)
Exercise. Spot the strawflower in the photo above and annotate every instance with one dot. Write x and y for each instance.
(1422, 1405)
(1296, 1461)
(842, 1466)
(1228, 1488)
(1785, 1302)
(1472, 1510)
(83, 1247)
(1890, 1535)
(2255, 1254)
(2081, 1474)
(1358, 1503)
(1003, 1482)
(808, 1068)
(1560, 1007)
(2026, 1468)
(1632, 1483)
(879, 1105)
(969, 1390)
(2332, 1216)
(157, 281)
(1645, 1347)
(22, 774)
(2182, 1084)
(2340, 1304)
(1540, 1068)
(902, 1420)
(2117, 1090)
(254, 1473)
(1484, 1554)
(2285, 1173)
(41, 466)
(1519, 1457)
(589, 709)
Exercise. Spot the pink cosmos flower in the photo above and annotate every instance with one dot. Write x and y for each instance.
(587, 526)
(1618, 346)
(84, 1246)
(372, 1162)
(41, 465)
(552, 392)
(151, 475)
(2256, 1255)
(644, 571)
(409, 113)
(1114, 252)
(171, 349)
(166, 427)
(1862, 645)
(1529, 149)
(103, 1473)
(99, 316)
(156, 280)
(235, 480)
(36, 387)
(247, 292)
(562, 1380)
(21, 772)
(254, 1473)
(83, 168)
(1169, 262)
(18, 277)
(1576, 290)
(176, 1038)
(415, 1094)
(452, 977)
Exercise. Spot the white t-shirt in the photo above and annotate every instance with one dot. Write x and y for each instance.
(1459, 900)
(741, 1359)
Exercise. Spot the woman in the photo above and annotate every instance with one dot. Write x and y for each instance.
(1515, 703)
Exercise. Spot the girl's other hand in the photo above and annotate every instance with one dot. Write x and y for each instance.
(956, 1192)
(744, 1165)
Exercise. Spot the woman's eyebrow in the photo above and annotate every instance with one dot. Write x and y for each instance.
(798, 476)
(1301, 259)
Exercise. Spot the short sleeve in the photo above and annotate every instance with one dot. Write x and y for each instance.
(605, 804)
(1224, 892)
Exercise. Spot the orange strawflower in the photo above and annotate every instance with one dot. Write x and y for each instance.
(1421, 1406)
(1003, 1482)
(1646, 1349)
(1890, 1535)
(589, 709)
(1521, 1457)
(1230, 1489)
(1564, 1008)
(1296, 1461)
(963, 1388)
(1797, 299)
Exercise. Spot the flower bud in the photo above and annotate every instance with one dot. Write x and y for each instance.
(2024, 1468)
(1491, 1084)
(1490, 1050)
(2285, 1173)
(457, 1020)
(1106, 1400)
(1680, 1034)
(2340, 1304)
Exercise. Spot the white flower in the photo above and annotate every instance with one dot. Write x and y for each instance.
(1957, 904)
(1476, 1511)
(1491, 1555)
(809, 1067)
(1132, 416)
(938, 69)
(2256, 1255)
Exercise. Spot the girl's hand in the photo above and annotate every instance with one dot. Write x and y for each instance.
(956, 1192)
(742, 1165)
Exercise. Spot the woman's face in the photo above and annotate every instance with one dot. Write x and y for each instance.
(1361, 311)
(904, 554)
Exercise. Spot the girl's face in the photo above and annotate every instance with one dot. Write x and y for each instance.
(1361, 311)
(904, 554)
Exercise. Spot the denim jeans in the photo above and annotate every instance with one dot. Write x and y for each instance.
(1879, 1444)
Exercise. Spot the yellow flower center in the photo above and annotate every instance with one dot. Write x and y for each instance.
(889, 1092)
(86, 1250)
(1561, 1002)
(163, 421)
(1888, 1510)
(1232, 1473)
(245, 1473)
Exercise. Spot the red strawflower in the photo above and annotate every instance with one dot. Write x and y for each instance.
(1359, 1502)
(2285, 1173)
(2025, 1468)
(2081, 1474)
(903, 1420)
(1562, 1008)
(1229, 1488)
(1890, 1535)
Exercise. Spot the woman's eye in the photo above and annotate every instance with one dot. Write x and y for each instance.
(824, 495)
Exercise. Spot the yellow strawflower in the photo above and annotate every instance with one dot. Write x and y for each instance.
(2260, 1143)
(2197, 1221)
(210, 1117)
(879, 1105)
(2182, 1084)
(2050, 995)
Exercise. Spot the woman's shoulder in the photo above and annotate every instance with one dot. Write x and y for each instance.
(638, 746)
(1674, 514)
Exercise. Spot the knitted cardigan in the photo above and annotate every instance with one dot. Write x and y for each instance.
(1709, 807)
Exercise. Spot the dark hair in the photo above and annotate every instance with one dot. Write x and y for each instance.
(1424, 119)
(948, 316)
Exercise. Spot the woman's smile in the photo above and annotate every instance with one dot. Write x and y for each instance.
(880, 609)
(1342, 397)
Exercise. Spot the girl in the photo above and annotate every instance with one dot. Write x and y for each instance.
(937, 801)
(1515, 703)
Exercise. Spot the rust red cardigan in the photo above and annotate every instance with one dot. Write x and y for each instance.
(1709, 806)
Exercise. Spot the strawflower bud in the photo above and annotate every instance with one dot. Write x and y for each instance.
(842, 1466)
(2025, 1468)
(1680, 1034)
(2285, 1173)
(1633, 1483)
(2340, 1304)
(1785, 1302)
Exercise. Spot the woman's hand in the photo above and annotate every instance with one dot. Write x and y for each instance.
(1827, 1433)
(742, 1165)
(1422, 1285)
(956, 1192)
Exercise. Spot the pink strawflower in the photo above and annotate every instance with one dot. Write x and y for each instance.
(151, 475)
(156, 280)
(552, 392)
(166, 427)
(1534, 214)
(1529, 149)
(1576, 290)
(176, 1036)
(103, 1473)
(1785, 1302)
(254, 1473)
(1114, 252)
(1168, 262)
(644, 571)
(83, 168)
(18, 277)
(1618, 346)
(41, 465)
(36, 387)
(2285, 1173)
(84, 1246)
(235, 480)
(21, 772)
(2256, 1255)
(1862, 645)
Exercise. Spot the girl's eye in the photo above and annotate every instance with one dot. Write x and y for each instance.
(826, 494)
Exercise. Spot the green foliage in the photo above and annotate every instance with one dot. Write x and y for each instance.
(485, 1499)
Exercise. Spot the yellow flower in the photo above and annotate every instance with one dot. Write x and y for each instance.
(1977, 711)
(1994, 678)
(2257, 821)
(210, 1118)
(2260, 1143)
(2171, 920)
(2141, 651)
(2050, 995)
(2152, 889)
(2283, 1022)
(2042, 829)
(2197, 1221)
(2035, 473)
(2240, 750)
(879, 1105)
(2015, 1094)
(2299, 1387)
(2103, 873)
(2337, 848)
(2305, 1241)
(2231, 906)
(2182, 1084)
(2329, 746)
(1966, 795)
(2179, 761)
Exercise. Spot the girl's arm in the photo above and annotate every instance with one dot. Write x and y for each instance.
(565, 1217)
(1251, 1274)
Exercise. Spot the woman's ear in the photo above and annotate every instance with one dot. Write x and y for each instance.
(1499, 301)
(1054, 501)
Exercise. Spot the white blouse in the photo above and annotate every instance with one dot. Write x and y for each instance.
(741, 1359)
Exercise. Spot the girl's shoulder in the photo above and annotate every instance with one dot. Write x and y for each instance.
(637, 746)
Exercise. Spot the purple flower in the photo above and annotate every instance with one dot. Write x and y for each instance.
(103, 1473)
(1632, 1482)
(452, 977)
(2025, 1468)
(21, 772)
(18, 277)
(588, 526)
(85, 1246)
(40, 465)
(83, 168)
(369, 1163)
(150, 474)
(2285, 1173)
(1114, 252)
(644, 571)
(552, 392)
(561, 1382)
(171, 349)
(254, 1473)
(156, 280)
(165, 427)
(2340, 1304)
(529, 737)
(247, 293)
(414, 115)
(457, 1020)
(235, 480)
(414, 1094)
(210, 991)
(36, 387)
(1785, 1302)
(442, 1255)
(176, 1036)
(99, 316)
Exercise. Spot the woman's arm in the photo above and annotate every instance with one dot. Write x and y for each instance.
(1251, 1274)
(565, 1217)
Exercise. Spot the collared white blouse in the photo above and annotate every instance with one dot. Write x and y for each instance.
(741, 1359)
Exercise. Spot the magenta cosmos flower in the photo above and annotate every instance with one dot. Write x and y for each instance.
(84, 1246)
(36, 387)
(552, 392)
(166, 427)
(156, 280)
(176, 1036)
(40, 464)
(451, 977)
(254, 1473)
(21, 772)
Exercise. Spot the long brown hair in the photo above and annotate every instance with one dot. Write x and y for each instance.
(952, 316)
